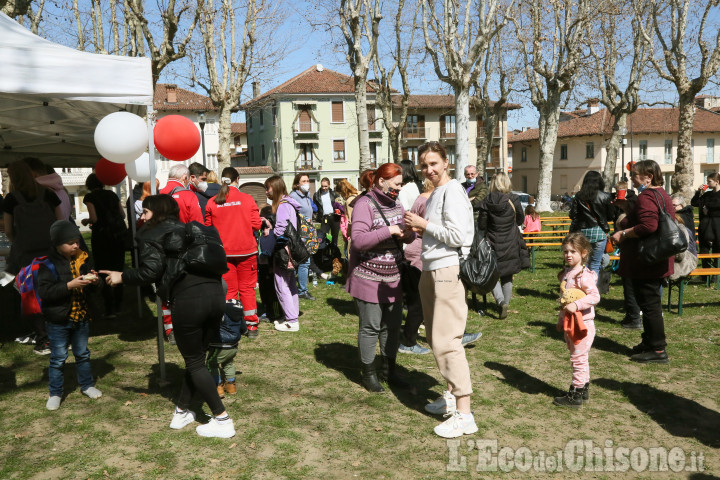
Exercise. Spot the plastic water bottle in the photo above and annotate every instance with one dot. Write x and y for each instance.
(314, 282)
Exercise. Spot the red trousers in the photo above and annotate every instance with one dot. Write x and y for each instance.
(241, 280)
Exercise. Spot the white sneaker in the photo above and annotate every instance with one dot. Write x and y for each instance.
(214, 428)
(444, 405)
(456, 426)
(180, 420)
(53, 402)
(92, 392)
(287, 326)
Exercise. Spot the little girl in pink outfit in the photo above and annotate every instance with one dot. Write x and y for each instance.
(576, 248)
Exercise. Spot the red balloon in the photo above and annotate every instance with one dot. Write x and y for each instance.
(176, 137)
(110, 173)
(629, 166)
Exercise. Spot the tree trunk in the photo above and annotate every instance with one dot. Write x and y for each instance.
(612, 149)
(394, 138)
(225, 138)
(362, 120)
(482, 152)
(462, 134)
(549, 117)
(682, 180)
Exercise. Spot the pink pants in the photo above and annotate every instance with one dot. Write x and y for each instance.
(579, 356)
(241, 280)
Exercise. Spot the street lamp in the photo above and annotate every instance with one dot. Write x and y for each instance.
(623, 132)
(201, 122)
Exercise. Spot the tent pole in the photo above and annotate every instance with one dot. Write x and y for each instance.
(133, 229)
(153, 190)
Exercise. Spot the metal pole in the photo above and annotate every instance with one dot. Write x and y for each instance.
(133, 229)
(153, 190)
(202, 141)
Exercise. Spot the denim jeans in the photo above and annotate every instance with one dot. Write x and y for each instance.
(595, 259)
(302, 276)
(60, 336)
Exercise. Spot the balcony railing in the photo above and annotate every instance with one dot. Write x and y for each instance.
(414, 132)
(306, 132)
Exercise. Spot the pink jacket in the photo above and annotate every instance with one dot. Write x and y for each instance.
(586, 280)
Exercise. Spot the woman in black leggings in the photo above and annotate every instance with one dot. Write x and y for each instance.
(196, 302)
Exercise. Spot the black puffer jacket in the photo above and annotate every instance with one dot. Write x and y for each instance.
(56, 297)
(159, 250)
(583, 214)
(500, 223)
(708, 204)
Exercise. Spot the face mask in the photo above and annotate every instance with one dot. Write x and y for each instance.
(201, 186)
(641, 188)
(269, 201)
(472, 180)
(392, 193)
(305, 188)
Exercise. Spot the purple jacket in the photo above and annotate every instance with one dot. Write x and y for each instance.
(286, 212)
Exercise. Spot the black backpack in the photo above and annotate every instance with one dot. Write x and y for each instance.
(204, 252)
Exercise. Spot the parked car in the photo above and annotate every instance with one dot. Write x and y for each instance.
(525, 199)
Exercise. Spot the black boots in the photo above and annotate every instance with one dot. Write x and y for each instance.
(370, 379)
(574, 398)
(389, 373)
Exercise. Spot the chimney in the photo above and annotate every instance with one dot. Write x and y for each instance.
(171, 90)
(593, 106)
(256, 89)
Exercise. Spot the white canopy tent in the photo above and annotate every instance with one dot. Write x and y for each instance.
(52, 97)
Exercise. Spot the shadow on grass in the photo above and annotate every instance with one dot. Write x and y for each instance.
(527, 292)
(100, 367)
(522, 381)
(679, 416)
(601, 343)
(8, 379)
(702, 476)
(346, 359)
(342, 306)
(155, 386)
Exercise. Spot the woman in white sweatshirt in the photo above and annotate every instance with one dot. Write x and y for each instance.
(447, 228)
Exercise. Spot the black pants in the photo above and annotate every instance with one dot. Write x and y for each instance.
(647, 292)
(268, 296)
(330, 223)
(109, 254)
(632, 309)
(414, 317)
(197, 313)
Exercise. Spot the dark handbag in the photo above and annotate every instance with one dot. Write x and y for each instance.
(667, 241)
(409, 275)
(523, 253)
(479, 270)
(296, 252)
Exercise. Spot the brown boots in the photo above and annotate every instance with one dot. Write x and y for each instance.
(226, 387)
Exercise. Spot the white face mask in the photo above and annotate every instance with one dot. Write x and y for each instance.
(269, 201)
(201, 186)
(305, 188)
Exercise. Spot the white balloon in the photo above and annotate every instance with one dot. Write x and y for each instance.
(139, 170)
(121, 137)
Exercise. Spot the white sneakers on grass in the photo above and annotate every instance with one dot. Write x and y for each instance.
(180, 420)
(443, 405)
(53, 402)
(287, 326)
(92, 392)
(218, 429)
(457, 425)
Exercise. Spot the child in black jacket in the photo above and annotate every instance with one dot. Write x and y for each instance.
(66, 309)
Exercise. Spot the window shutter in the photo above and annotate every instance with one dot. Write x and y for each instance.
(371, 118)
(305, 121)
(442, 126)
(405, 155)
(337, 112)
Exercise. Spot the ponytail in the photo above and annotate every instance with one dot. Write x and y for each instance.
(229, 175)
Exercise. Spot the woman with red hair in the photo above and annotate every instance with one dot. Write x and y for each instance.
(373, 274)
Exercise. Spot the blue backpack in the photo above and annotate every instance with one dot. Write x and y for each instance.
(26, 283)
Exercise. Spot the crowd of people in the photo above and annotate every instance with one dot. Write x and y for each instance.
(404, 240)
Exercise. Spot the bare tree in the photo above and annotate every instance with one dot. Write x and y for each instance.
(22, 11)
(360, 23)
(497, 72)
(457, 37)
(556, 30)
(386, 97)
(615, 30)
(228, 63)
(168, 50)
(672, 22)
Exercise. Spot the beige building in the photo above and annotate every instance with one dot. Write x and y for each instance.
(583, 136)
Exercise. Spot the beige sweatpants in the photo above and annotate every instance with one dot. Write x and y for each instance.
(445, 312)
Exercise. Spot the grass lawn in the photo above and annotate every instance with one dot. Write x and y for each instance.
(300, 411)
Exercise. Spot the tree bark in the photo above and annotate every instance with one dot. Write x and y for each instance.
(682, 181)
(225, 138)
(611, 151)
(462, 130)
(549, 118)
(362, 119)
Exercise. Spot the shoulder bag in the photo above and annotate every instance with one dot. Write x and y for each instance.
(665, 242)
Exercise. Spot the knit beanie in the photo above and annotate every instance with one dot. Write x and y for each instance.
(62, 231)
